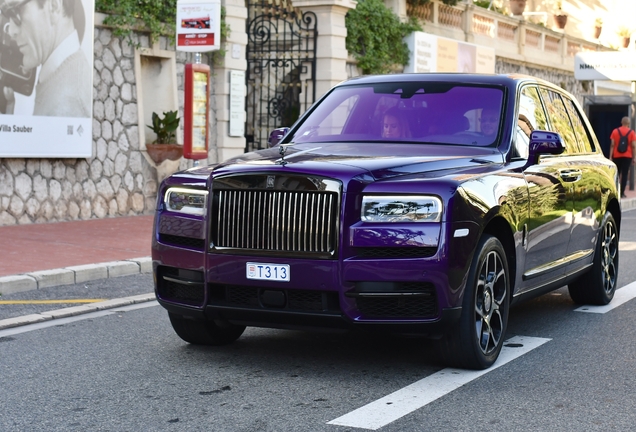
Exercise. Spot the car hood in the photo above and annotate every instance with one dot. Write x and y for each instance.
(348, 160)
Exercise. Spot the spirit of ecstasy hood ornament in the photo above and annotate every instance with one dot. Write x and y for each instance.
(283, 150)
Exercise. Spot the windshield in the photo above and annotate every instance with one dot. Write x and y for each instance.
(424, 112)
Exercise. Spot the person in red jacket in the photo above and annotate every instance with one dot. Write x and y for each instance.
(623, 160)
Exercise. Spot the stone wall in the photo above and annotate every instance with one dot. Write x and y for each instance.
(118, 180)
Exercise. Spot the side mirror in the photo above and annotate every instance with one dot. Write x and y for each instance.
(544, 143)
(276, 136)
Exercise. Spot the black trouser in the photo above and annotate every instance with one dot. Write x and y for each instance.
(623, 165)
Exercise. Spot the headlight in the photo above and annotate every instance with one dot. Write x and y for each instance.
(189, 201)
(401, 208)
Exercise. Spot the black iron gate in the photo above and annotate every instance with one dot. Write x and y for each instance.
(281, 67)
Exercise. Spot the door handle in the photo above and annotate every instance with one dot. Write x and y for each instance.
(570, 175)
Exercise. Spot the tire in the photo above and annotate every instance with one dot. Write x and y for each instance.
(476, 341)
(202, 332)
(598, 285)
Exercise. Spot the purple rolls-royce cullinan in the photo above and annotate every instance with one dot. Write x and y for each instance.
(422, 204)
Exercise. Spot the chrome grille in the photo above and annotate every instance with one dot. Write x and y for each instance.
(280, 221)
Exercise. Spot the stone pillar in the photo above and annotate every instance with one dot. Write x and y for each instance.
(467, 23)
(229, 146)
(435, 13)
(331, 52)
(398, 7)
(521, 32)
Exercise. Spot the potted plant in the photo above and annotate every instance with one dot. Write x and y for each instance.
(598, 26)
(517, 7)
(560, 17)
(165, 146)
(625, 33)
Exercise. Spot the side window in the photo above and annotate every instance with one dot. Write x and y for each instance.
(579, 127)
(531, 117)
(559, 120)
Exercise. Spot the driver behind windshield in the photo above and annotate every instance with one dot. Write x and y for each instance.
(394, 124)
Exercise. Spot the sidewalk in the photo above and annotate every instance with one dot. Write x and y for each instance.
(42, 255)
(629, 202)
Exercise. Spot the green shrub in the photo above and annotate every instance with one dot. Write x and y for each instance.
(157, 17)
(375, 37)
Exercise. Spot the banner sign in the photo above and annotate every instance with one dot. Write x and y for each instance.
(613, 65)
(46, 102)
(237, 103)
(198, 25)
(430, 53)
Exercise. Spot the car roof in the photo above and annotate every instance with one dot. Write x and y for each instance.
(508, 80)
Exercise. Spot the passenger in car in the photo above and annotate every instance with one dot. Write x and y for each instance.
(489, 122)
(395, 124)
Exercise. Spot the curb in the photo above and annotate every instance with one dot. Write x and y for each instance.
(628, 204)
(72, 275)
(75, 310)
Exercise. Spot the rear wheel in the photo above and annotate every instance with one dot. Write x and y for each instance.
(475, 342)
(598, 285)
(203, 332)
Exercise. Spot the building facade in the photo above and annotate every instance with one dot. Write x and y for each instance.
(281, 80)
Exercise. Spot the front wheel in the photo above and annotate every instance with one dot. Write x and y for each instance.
(202, 332)
(476, 341)
(598, 285)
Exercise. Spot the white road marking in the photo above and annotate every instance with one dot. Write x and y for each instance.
(621, 296)
(626, 246)
(62, 321)
(404, 401)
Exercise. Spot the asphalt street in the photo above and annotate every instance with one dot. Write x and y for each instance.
(125, 369)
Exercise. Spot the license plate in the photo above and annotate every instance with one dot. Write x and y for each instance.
(264, 271)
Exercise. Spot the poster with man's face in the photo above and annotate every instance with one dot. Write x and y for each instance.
(46, 78)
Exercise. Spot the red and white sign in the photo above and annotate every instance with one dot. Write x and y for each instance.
(186, 40)
(198, 25)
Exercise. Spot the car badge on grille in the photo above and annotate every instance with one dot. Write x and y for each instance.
(270, 182)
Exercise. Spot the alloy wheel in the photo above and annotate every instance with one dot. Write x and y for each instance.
(490, 299)
(609, 251)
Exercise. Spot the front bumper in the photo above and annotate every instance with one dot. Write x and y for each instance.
(379, 295)
(313, 321)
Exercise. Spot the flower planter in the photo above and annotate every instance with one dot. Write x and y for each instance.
(626, 40)
(161, 152)
(517, 6)
(597, 32)
(560, 21)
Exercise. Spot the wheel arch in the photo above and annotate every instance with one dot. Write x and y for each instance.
(614, 208)
(500, 228)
